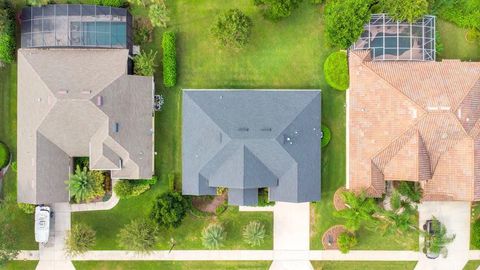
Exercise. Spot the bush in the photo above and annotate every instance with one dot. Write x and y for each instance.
(213, 236)
(142, 31)
(27, 208)
(81, 161)
(221, 208)
(4, 155)
(344, 21)
(335, 69)
(326, 135)
(144, 63)
(254, 233)
(411, 190)
(110, 3)
(263, 198)
(37, 3)
(464, 13)
(125, 189)
(476, 234)
(7, 33)
(169, 59)
(79, 239)
(346, 241)
(158, 14)
(278, 9)
(139, 235)
(170, 209)
(86, 185)
(232, 29)
(405, 10)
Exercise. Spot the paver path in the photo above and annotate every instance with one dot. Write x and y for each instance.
(52, 255)
(456, 217)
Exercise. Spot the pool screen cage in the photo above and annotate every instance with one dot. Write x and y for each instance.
(76, 26)
(389, 39)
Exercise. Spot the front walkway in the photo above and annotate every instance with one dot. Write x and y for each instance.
(456, 217)
(52, 255)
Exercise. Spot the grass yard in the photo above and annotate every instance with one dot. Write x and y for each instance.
(471, 265)
(361, 265)
(19, 265)
(8, 134)
(455, 45)
(171, 265)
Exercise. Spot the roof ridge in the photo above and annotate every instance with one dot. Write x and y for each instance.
(391, 85)
(475, 82)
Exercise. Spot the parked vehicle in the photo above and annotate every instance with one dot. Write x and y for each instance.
(428, 227)
(42, 223)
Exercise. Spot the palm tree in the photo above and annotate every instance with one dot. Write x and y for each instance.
(213, 236)
(81, 185)
(254, 233)
(359, 211)
(439, 239)
(400, 219)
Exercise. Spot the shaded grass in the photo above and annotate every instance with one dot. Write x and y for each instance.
(171, 265)
(361, 265)
(455, 45)
(19, 265)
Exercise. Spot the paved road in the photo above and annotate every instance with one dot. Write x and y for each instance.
(456, 217)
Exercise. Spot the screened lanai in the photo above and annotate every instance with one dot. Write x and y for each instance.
(389, 39)
(75, 26)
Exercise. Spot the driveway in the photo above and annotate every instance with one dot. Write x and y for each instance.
(456, 217)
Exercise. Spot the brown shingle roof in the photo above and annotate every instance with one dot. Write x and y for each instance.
(416, 121)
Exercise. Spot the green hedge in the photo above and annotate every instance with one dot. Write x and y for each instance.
(131, 188)
(7, 34)
(476, 234)
(327, 135)
(336, 70)
(4, 155)
(169, 59)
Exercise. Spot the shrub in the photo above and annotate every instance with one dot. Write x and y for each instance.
(326, 135)
(263, 198)
(37, 3)
(81, 161)
(169, 209)
(476, 234)
(213, 236)
(139, 235)
(79, 239)
(335, 69)
(142, 31)
(110, 3)
(158, 14)
(346, 241)
(232, 29)
(344, 21)
(85, 185)
(99, 183)
(405, 10)
(4, 155)
(125, 189)
(169, 59)
(278, 9)
(27, 208)
(254, 233)
(411, 190)
(144, 63)
(7, 33)
(221, 208)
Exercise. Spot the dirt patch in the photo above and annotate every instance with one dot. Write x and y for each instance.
(337, 199)
(207, 204)
(329, 238)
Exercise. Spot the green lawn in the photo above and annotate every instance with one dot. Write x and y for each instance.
(171, 265)
(455, 45)
(361, 265)
(471, 265)
(19, 265)
(8, 130)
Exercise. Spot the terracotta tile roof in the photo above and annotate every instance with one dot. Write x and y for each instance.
(415, 121)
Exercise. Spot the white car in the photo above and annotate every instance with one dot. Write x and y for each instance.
(42, 224)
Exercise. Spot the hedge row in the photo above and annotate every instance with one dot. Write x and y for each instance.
(131, 188)
(169, 59)
(7, 35)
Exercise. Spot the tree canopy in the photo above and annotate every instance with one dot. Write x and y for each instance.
(344, 21)
(277, 9)
(232, 29)
(405, 10)
(140, 235)
(169, 209)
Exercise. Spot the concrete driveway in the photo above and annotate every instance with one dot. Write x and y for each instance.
(456, 217)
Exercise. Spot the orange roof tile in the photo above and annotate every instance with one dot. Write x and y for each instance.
(415, 121)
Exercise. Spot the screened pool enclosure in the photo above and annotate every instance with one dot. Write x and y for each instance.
(75, 26)
(389, 39)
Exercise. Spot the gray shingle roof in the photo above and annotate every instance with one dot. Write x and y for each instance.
(250, 139)
(60, 117)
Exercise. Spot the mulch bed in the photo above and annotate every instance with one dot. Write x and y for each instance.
(337, 199)
(329, 238)
(204, 204)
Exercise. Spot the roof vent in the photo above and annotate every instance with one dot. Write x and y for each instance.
(86, 92)
(244, 129)
(63, 92)
(266, 129)
(117, 127)
(99, 100)
(287, 139)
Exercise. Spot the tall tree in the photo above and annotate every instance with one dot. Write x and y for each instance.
(359, 211)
